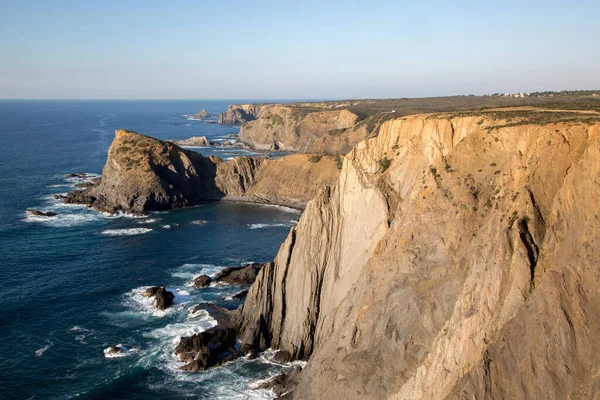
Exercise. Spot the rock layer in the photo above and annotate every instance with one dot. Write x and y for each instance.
(455, 257)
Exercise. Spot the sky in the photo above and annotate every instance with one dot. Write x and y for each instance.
(133, 49)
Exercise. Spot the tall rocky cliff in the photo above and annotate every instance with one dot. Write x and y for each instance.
(456, 257)
(143, 174)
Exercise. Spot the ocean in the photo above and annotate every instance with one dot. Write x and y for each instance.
(70, 285)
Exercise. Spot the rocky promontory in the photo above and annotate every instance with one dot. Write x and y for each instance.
(201, 115)
(143, 174)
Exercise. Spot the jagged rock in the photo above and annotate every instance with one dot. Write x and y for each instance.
(456, 257)
(162, 297)
(202, 114)
(244, 275)
(282, 356)
(38, 213)
(212, 347)
(202, 281)
(280, 384)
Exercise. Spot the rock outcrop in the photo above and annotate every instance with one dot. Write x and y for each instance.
(241, 113)
(244, 275)
(201, 115)
(38, 213)
(144, 174)
(202, 281)
(456, 257)
(212, 347)
(194, 141)
(162, 297)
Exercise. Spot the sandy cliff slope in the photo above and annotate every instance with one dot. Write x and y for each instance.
(456, 257)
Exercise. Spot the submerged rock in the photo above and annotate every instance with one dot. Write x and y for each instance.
(162, 297)
(244, 275)
(202, 281)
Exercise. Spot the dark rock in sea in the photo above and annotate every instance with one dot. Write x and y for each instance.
(279, 384)
(162, 297)
(282, 356)
(202, 114)
(212, 347)
(202, 281)
(244, 275)
(38, 213)
(237, 296)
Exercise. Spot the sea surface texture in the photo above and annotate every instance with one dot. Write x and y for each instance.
(70, 285)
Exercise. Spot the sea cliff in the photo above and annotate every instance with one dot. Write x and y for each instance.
(455, 257)
(145, 174)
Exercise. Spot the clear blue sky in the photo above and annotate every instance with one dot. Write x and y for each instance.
(295, 49)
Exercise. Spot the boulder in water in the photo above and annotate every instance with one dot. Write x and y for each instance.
(202, 281)
(162, 297)
(282, 356)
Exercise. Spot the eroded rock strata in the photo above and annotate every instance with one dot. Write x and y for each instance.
(143, 174)
(456, 257)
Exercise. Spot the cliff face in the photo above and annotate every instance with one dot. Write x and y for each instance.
(143, 174)
(292, 129)
(242, 113)
(455, 257)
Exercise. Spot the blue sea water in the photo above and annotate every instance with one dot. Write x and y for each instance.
(70, 286)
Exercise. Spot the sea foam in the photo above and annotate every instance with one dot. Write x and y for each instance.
(126, 232)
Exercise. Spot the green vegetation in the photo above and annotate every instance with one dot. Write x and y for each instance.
(315, 158)
(337, 132)
(384, 164)
(339, 163)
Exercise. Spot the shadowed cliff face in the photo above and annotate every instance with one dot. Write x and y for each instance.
(143, 174)
(455, 257)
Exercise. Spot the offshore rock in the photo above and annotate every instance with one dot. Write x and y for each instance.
(244, 275)
(162, 297)
(202, 281)
(212, 347)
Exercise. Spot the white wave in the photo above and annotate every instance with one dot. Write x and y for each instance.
(64, 220)
(166, 226)
(126, 232)
(148, 221)
(191, 271)
(40, 352)
(143, 306)
(262, 226)
(174, 332)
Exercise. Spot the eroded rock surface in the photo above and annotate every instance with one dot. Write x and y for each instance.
(162, 297)
(144, 174)
(455, 257)
(243, 275)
